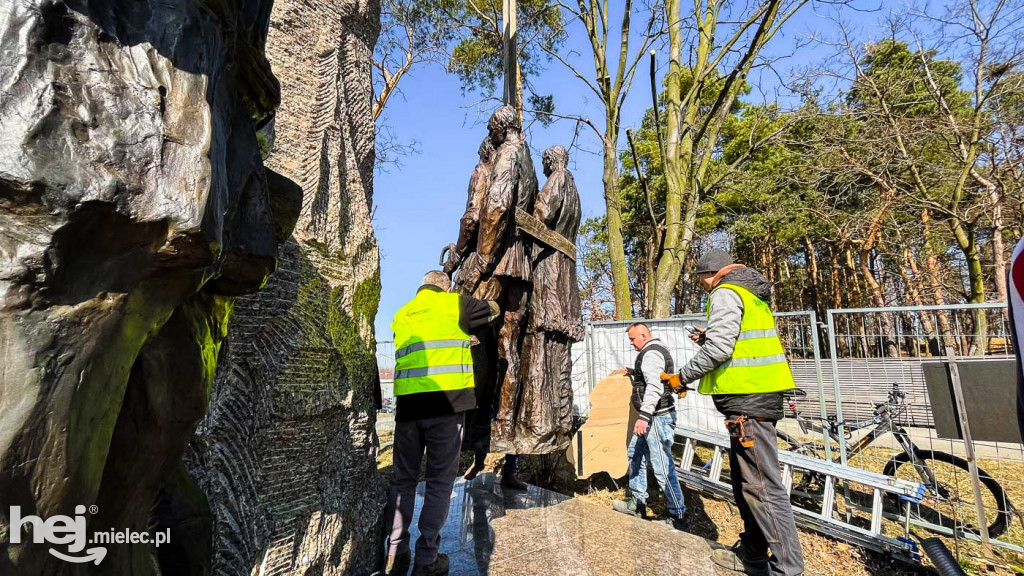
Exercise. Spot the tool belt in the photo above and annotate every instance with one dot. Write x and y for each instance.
(737, 429)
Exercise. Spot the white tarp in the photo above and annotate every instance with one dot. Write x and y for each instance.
(612, 351)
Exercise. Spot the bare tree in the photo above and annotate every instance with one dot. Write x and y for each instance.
(615, 65)
(700, 95)
(923, 135)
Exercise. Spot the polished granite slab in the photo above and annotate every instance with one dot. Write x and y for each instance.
(500, 532)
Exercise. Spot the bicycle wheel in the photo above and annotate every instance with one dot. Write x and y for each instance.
(951, 503)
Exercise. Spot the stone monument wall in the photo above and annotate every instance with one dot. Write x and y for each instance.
(286, 455)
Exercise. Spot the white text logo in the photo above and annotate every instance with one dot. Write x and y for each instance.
(70, 531)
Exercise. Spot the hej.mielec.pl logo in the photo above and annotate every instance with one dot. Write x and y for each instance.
(70, 531)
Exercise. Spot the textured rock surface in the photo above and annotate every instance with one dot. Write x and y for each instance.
(134, 207)
(286, 455)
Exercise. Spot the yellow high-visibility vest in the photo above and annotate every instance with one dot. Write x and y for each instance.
(431, 349)
(758, 362)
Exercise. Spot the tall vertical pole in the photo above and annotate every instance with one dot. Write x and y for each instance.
(972, 461)
(510, 58)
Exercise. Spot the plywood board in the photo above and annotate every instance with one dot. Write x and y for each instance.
(603, 438)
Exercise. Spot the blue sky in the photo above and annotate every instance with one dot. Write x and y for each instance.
(418, 205)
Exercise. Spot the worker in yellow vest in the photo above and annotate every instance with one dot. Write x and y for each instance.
(433, 390)
(743, 366)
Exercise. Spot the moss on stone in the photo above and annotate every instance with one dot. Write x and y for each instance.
(347, 331)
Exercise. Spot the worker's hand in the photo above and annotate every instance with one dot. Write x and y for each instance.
(627, 371)
(641, 427)
(698, 335)
(673, 380)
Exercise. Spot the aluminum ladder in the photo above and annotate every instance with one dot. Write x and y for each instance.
(708, 478)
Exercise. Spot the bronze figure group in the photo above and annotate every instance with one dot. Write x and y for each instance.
(517, 246)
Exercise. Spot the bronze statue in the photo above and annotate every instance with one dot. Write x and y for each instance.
(503, 240)
(496, 265)
(554, 321)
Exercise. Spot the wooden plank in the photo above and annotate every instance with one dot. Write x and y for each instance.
(606, 432)
(538, 230)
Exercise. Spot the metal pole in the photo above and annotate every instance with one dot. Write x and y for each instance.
(961, 408)
(509, 58)
(841, 426)
(589, 334)
(821, 383)
(835, 385)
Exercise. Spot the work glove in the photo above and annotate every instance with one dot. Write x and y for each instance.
(674, 382)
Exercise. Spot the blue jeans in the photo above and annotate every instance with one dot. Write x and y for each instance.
(655, 448)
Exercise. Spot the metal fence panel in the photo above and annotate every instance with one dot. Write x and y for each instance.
(871, 350)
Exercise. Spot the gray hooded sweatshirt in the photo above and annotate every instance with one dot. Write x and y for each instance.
(720, 341)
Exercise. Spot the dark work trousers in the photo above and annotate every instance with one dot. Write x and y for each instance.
(441, 438)
(763, 501)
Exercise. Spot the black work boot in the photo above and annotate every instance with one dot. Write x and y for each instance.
(438, 568)
(739, 559)
(631, 507)
(473, 472)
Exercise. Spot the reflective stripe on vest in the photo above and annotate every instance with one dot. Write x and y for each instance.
(432, 351)
(758, 363)
(417, 346)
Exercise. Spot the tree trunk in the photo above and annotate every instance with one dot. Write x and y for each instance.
(837, 290)
(931, 262)
(678, 153)
(842, 341)
(851, 278)
(912, 280)
(616, 251)
(999, 250)
(886, 337)
(977, 282)
(813, 287)
(769, 269)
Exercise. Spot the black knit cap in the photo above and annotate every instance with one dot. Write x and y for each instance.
(713, 261)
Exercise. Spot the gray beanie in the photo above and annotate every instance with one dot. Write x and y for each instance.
(713, 261)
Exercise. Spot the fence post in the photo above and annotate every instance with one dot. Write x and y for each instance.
(961, 408)
(821, 383)
(835, 386)
(589, 336)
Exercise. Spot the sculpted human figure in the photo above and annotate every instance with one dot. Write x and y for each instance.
(554, 321)
(499, 267)
(469, 225)
(478, 425)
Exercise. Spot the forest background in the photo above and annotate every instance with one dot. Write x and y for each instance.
(857, 153)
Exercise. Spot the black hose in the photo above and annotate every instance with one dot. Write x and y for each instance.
(940, 556)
